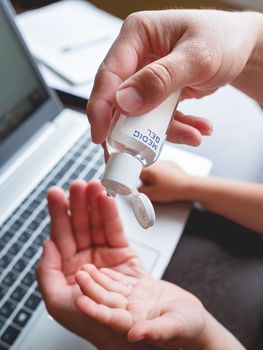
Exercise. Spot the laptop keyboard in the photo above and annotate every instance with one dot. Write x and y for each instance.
(23, 233)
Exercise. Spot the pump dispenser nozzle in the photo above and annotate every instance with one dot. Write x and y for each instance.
(121, 174)
(120, 177)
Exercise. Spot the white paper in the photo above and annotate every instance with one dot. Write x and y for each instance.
(70, 37)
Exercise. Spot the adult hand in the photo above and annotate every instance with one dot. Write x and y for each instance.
(158, 52)
(165, 181)
(81, 234)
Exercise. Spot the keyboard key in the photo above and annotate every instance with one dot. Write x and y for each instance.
(53, 182)
(5, 260)
(69, 163)
(45, 231)
(34, 204)
(10, 278)
(37, 290)
(15, 226)
(7, 309)
(90, 174)
(42, 214)
(7, 236)
(24, 237)
(33, 268)
(38, 241)
(20, 265)
(2, 322)
(80, 168)
(29, 279)
(21, 318)
(25, 214)
(42, 195)
(14, 249)
(3, 347)
(2, 244)
(18, 293)
(10, 334)
(30, 252)
(34, 225)
(33, 302)
(3, 291)
(63, 170)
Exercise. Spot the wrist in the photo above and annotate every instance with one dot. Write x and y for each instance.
(250, 78)
(194, 188)
(216, 337)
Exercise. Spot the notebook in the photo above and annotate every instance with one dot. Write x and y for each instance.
(42, 145)
(65, 51)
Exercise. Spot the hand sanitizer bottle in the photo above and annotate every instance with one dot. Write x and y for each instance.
(133, 143)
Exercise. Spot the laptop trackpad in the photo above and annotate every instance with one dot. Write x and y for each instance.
(46, 333)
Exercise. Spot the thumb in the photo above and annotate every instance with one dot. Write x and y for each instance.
(162, 330)
(152, 84)
(48, 270)
(180, 322)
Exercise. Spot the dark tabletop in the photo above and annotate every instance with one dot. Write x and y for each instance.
(218, 260)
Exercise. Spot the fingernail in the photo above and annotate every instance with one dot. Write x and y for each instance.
(129, 99)
(189, 141)
(210, 131)
(140, 337)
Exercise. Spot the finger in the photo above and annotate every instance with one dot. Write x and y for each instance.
(189, 92)
(203, 125)
(159, 331)
(49, 275)
(152, 193)
(118, 319)
(96, 292)
(147, 176)
(186, 129)
(133, 47)
(177, 323)
(61, 229)
(93, 190)
(113, 229)
(119, 277)
(184, 66)
(182, 133)
(106, 282)
(115, 275)
(80, 214)
(120, 62)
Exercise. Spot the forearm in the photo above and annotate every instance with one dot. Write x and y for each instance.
(216, 337)
(250, 81)
(238, 201)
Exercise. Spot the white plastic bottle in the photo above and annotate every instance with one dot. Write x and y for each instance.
(136, 142)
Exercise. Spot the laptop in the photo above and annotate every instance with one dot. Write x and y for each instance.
(41, 145)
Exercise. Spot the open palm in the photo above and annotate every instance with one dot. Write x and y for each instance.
(93, 283)
(82, 233)
(146, 309)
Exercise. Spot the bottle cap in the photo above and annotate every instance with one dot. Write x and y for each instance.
(121, 174)
(143, 209)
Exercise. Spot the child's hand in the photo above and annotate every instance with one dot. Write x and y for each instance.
(145, 309)
(165, 182)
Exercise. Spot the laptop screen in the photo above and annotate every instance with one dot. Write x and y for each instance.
(22, 92)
